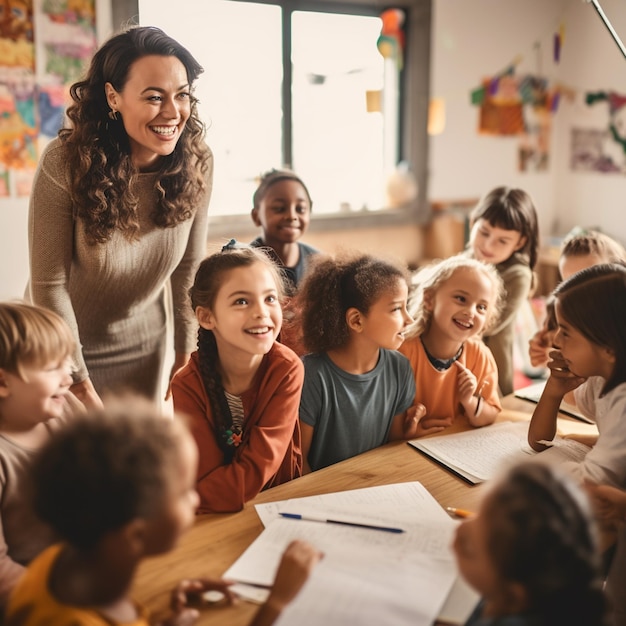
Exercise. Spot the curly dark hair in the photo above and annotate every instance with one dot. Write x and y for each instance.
(594, 302)
(99, 156)
(207, 282)
(333, 285)
(542, 535)
(105, 469)
(511, 209)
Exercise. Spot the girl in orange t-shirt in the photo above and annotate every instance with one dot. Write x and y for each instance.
(454, 302)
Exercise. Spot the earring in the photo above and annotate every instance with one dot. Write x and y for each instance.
(113, 115)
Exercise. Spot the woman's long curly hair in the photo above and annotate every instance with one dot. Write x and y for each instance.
(99, 155)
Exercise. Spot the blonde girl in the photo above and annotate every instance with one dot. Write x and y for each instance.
(454, 302)
(589, 357)
(241, 388)
(504, 232)
(532, 553)
(357, 387)
(36, 348)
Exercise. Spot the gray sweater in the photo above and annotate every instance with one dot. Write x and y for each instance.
(113, 295)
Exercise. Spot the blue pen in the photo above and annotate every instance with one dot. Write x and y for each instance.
(387, 529)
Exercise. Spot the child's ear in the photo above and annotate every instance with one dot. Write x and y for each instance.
(428, 300)
(135, 536)
(521, 243)
(354, 319)
(255, 216)
(4, 384)
(609, 354)
(205, 318)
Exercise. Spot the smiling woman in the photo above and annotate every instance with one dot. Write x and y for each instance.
(118, 213)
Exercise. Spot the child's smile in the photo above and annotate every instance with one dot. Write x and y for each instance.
(460, 306)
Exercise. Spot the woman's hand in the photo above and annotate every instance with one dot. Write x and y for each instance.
(86, 393)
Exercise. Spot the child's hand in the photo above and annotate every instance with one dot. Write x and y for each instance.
(466, 384)
(295, 567)
(609, 503)
(190, 592)
(561, 379)
(539, 347)
(417, 424)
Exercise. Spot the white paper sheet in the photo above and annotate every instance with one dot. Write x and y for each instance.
(366, 576)
(361, 589)
(385, 505)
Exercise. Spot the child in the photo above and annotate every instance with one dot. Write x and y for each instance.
(456, 300)
(241, 388)
(118, 487)
(505, 233)
(36, 348)
(610, 507)
(590, 357)
(532, 554)
(357, 388)
(579, 251)
(282, 207)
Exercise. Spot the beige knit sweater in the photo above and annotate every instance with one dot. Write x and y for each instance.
(113, 294)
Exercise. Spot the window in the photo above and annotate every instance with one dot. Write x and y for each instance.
(298, 84)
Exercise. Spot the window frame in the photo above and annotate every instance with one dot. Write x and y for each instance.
(413, 140)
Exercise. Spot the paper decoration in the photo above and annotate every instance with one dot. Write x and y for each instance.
(390, 44)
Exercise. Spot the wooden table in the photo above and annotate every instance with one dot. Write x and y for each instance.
(216, 541)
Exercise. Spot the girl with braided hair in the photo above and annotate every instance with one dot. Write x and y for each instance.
(241, 388)
(532, 553)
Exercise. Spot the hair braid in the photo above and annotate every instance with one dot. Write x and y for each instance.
(207, 362)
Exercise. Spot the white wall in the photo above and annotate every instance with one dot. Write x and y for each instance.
(475, 39)
(14, 211)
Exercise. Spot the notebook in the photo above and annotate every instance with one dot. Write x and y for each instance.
(533, 393)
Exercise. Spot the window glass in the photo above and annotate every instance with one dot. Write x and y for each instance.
(337, 143)
(337, 128)
(239, 46)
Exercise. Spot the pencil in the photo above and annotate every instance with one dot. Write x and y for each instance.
(459, 512)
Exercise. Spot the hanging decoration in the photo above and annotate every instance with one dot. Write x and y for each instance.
(390, 44)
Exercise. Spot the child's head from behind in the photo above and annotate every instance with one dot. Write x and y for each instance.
(532, 548)
(586, 248)
(237, 296)
(353, 293)
(36, 348)
(590, 311)
(460, 295)
(505, 222)
(126, 472)
(282, 207)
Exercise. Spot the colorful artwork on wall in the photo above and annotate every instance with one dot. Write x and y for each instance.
(37, 65)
